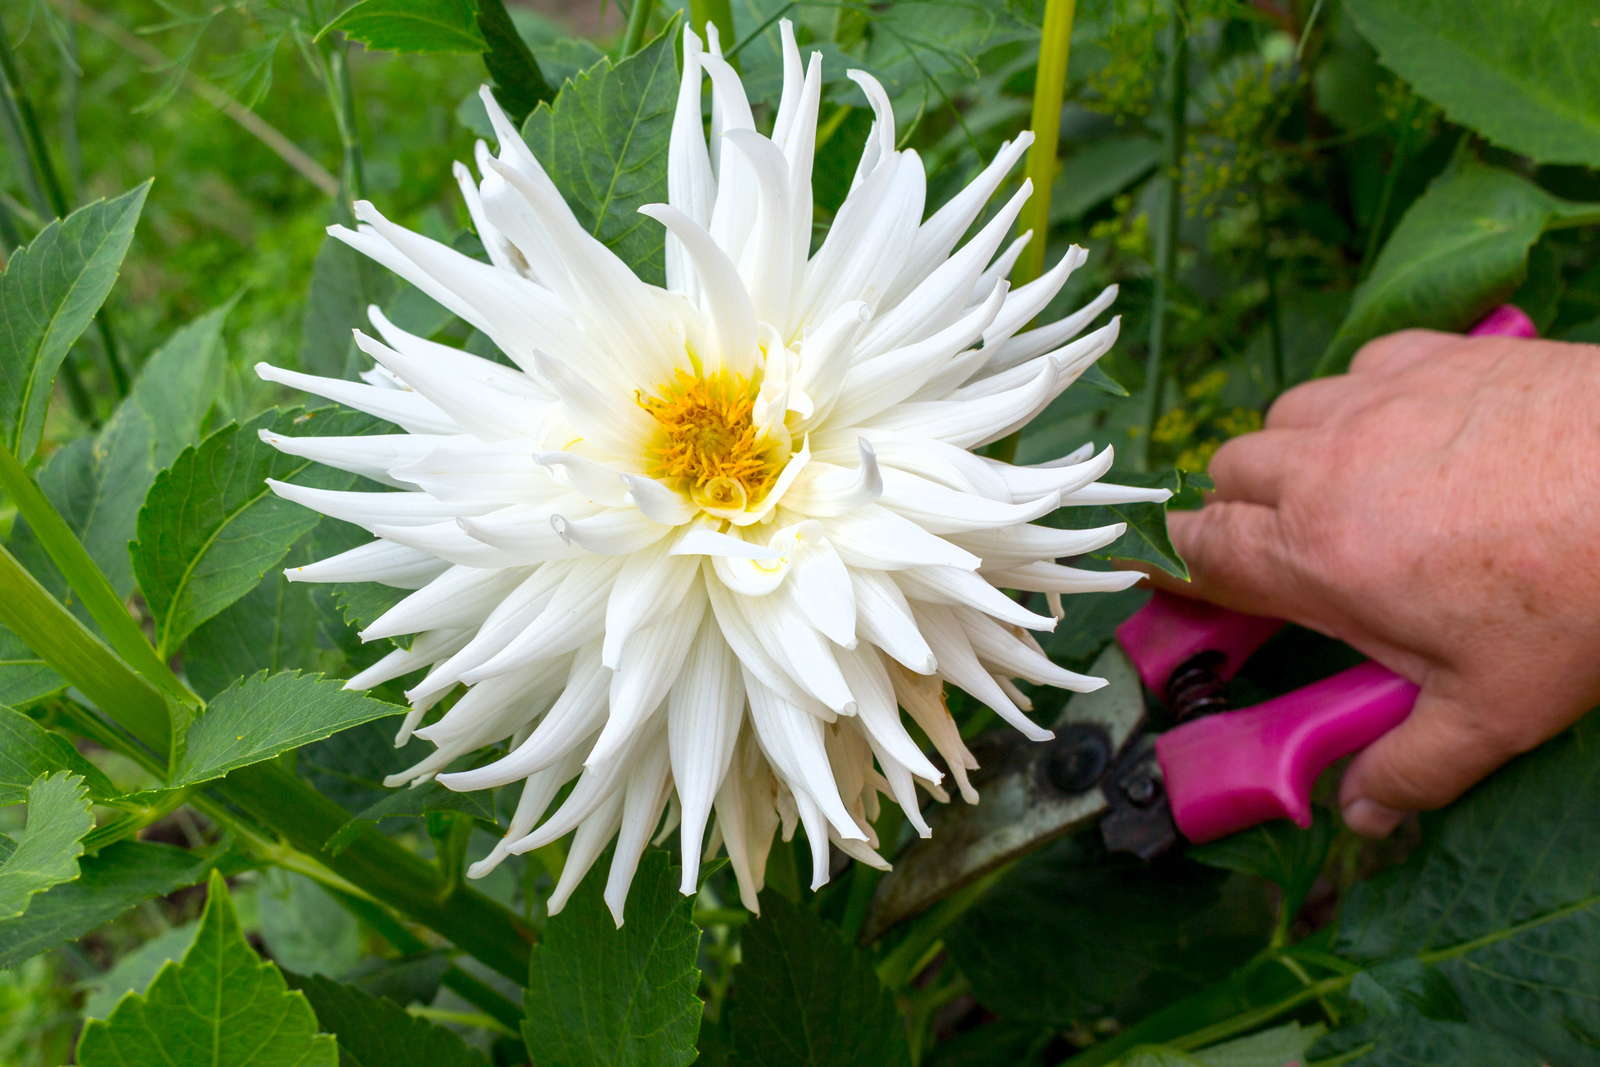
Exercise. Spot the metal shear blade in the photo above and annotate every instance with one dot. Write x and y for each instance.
(1032, 793)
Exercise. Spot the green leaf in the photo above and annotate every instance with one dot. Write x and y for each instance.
(222, 1004)
(604, 143)
(136, 970)
(1280, 852)
(1501, 899)
(49, 293)
(926, 51)
(271, 628)
(304, 929)
(265, 715)
(47, 849)
(28, 750)
(1520, 72)
(519, 82)
(377, 1032)
(24, 675)
(1277, 1047)
(1146, 537)
(1098, 171)
(98, 483)
(1073, 934)
(410, 25)
(804, 996)
(600, 995)
(1458, 251)
(210, 528)
(343, 284)
(113, 880)
(432, 796)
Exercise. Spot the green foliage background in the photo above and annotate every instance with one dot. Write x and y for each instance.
(1271, 183)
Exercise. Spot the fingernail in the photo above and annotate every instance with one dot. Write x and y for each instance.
(1371, 819)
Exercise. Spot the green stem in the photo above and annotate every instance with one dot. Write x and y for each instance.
(381, 867)
(1049, 90)
(638, 22)
(463, 1018)
(86, 579)
(1173, 143)
(471, 988)
(39, 179)
(907, 959)
(341, 95)
(1280, 372)
(1390, 177)
(32, 137)
(717, 12)
(28, 610)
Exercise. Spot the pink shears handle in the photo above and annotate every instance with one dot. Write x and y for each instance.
(1230, 771)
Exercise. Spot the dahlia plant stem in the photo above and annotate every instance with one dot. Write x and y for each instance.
(86, 579)
(471, 988)
(1174, 139)
(718, 13)
(926, 940)
(39, 175)
(638, 23)
(1049, 91)
(341, 96)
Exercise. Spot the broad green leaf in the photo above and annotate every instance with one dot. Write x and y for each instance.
(343, 284)
(222, 1004)
(134, 971)
(24, 676)
(1458, 251)
(377, 1032)
(1146, 537)
(47, 849)
(1503, 900)
(1406, 1013)
(210, 528)
(600, 995)
(264, 715)
(113, 880)
(274, 627)
(28, 750)
(417, 801)
(98, 483)
(303, 928)
(1099, 170)
(927, 51)
(411, 25)
(604, 143)
(1278, 851)
(1278, 1047)
(1520, 72)
(519, 82)
(1074, 935)
(804, 996)
(49, 293)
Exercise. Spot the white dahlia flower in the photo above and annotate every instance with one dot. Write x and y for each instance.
(697, 547)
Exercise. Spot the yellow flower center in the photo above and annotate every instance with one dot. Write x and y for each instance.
(706, 440)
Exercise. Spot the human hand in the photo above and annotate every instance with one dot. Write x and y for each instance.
(1437, 508)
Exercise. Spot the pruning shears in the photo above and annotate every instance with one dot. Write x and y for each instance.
(1214, 774)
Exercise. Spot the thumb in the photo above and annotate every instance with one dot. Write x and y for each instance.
(1236, 558)
(1441, 750)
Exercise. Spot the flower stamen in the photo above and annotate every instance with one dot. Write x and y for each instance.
(706, 440)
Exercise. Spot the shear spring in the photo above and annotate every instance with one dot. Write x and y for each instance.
(1196, 688)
